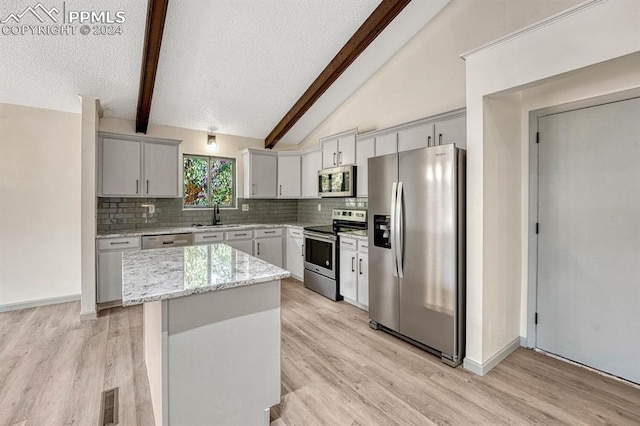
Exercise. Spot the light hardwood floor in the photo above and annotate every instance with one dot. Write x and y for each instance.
(335, 371)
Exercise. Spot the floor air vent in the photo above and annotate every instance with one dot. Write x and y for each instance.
(109, 408)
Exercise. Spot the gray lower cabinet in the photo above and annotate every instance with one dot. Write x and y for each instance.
(109, 267)
(268, 246)
(354, 272)
(295, 253)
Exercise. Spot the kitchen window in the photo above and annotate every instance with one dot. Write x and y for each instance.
(209, 181)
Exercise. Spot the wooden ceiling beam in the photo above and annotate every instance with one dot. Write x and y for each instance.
(156, 15)
(368, 31)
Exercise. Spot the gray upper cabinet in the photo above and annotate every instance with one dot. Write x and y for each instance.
(365, 149)
(339, 150)
(386, 144)
(260, 173)
(160, 170)
(452, 131)
(132, 166)
(415, 137)
(311, 163)
(121, 171)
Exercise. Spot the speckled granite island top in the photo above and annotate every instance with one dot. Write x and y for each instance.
(150, 275)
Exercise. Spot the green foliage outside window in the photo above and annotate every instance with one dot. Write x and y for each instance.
(209, 181)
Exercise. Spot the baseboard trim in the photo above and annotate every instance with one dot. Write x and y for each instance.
(523, 342)
(40, 302)
(484, 368)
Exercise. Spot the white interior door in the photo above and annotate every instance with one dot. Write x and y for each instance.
(589, 238)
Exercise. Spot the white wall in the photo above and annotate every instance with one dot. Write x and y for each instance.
(427, 76)
(541, 66)
(40, 211)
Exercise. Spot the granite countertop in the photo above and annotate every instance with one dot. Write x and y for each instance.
(198, 229)
(358, 235)
(151, 275)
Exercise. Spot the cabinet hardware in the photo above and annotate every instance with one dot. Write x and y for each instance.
(253, 190)
(147, 186)
(280, 190)
(353, 268)
(119, 243)
(302, 250)
(239, 235)
(428, 140)
(269, 232)
(334, 159)
(209, 236)
(258, 249)
(137, 186)
(340, 157)
(440, 139)
(360, 266)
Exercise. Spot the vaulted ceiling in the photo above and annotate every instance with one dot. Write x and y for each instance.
(226, 66)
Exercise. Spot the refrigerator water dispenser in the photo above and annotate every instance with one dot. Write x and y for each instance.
(382, 231)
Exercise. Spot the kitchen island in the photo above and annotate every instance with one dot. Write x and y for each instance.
(211, 332)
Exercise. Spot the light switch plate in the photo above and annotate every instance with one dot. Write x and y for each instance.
(319, 207)
(245, 207)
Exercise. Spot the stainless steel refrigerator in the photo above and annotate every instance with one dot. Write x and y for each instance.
(417, 248)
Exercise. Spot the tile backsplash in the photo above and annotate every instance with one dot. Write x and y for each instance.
(118, 214)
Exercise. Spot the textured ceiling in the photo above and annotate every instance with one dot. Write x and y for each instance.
(237, 66)
(49, 71)
(227, 66)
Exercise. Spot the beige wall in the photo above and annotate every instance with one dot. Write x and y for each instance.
(427, 76)
(40, 210)
(194, 141)
(590, 51)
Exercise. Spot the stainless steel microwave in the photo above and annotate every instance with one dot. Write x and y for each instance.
(337, 182)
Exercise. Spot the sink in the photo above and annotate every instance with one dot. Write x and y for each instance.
(197, 225)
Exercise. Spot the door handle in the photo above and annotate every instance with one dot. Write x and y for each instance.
(258, 249)
(400, 232)
(340, 157)
(440, 139)
(302, 249)
(428, 140)
(280, 190)
(147, 186)
(394, 256)
(353, 268)
(360, 266)
(334, 159)
(137, 186)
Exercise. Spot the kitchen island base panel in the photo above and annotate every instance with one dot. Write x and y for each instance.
(214, 357)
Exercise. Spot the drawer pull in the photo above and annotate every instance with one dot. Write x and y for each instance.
(240, 235)
(204, 237)
(269, 232)
(118, 243)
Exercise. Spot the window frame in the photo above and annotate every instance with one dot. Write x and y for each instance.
(209, 159)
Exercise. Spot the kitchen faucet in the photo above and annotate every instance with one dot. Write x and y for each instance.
(216, 215)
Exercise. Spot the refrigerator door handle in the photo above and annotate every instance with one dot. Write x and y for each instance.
(399, 238)
(394, 258)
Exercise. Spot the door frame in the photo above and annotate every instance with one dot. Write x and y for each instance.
(534, 117)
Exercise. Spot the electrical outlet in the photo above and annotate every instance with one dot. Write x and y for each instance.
(152, 209)
(319, 207)
(245, 207)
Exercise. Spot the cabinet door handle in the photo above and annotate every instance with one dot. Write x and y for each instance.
(302, 250)
(258, 249)
(340, 157)
(353, 268)
(360, 266)
(334, 159)
(428, 140)
(147, 186)
(440, 139)
(280, 190)
(137, 186)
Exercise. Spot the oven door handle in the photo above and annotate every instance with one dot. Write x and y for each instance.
(320, 237)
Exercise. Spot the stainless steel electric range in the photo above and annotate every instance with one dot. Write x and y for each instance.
(321, 255)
